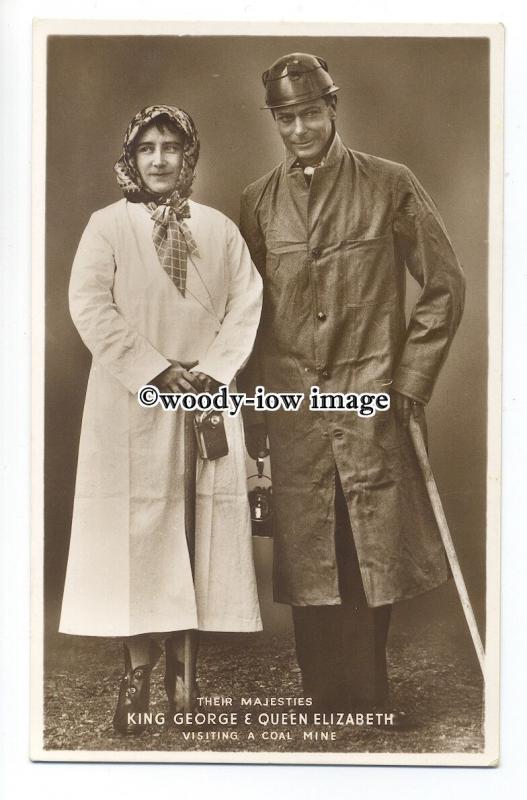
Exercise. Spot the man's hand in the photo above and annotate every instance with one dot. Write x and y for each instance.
(256, 441)
(178, 379)
(404, 407)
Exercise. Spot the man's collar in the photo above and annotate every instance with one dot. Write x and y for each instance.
(334, 154)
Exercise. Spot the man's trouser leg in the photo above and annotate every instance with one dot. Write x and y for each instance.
(341, 650)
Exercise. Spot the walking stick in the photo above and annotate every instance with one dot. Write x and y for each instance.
(448, 544)
(191, 636)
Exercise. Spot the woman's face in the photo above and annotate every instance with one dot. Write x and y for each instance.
(159, 158)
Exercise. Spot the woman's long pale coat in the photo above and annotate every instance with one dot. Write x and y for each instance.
(128, 567)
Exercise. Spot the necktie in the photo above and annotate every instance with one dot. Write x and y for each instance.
(308, 174)
(172, 239)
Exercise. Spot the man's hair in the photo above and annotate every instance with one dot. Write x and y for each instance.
(329, 99)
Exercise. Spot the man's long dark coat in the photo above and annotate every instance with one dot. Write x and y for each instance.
(333, 258)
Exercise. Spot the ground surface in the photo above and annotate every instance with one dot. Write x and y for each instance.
(438, 683)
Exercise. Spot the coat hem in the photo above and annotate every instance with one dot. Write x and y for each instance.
(410, 595)
(218, 626)
(396, 598)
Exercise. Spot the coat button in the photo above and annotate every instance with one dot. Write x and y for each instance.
(325, 373)
(316, 252)
(321, 316)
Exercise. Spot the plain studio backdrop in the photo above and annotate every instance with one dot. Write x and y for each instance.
(422, 102)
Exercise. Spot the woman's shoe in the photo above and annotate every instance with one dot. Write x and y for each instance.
(134, 698)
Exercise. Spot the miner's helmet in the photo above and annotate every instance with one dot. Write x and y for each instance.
(296, 78)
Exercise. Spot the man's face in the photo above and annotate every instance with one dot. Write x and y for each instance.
(159, 158)
(306, 129)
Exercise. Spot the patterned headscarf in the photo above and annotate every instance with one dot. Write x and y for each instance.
(172, 237)
(128, 177)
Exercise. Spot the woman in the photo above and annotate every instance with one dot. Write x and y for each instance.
(162, 292)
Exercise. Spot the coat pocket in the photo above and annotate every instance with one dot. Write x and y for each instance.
(369, 270)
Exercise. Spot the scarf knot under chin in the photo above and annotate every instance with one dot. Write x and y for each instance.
(173, 239)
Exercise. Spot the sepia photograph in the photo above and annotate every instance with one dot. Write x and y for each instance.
(267, 393)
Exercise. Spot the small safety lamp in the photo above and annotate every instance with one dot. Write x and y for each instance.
(261, 503)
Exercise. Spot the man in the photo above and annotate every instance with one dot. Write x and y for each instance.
(331, 231)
